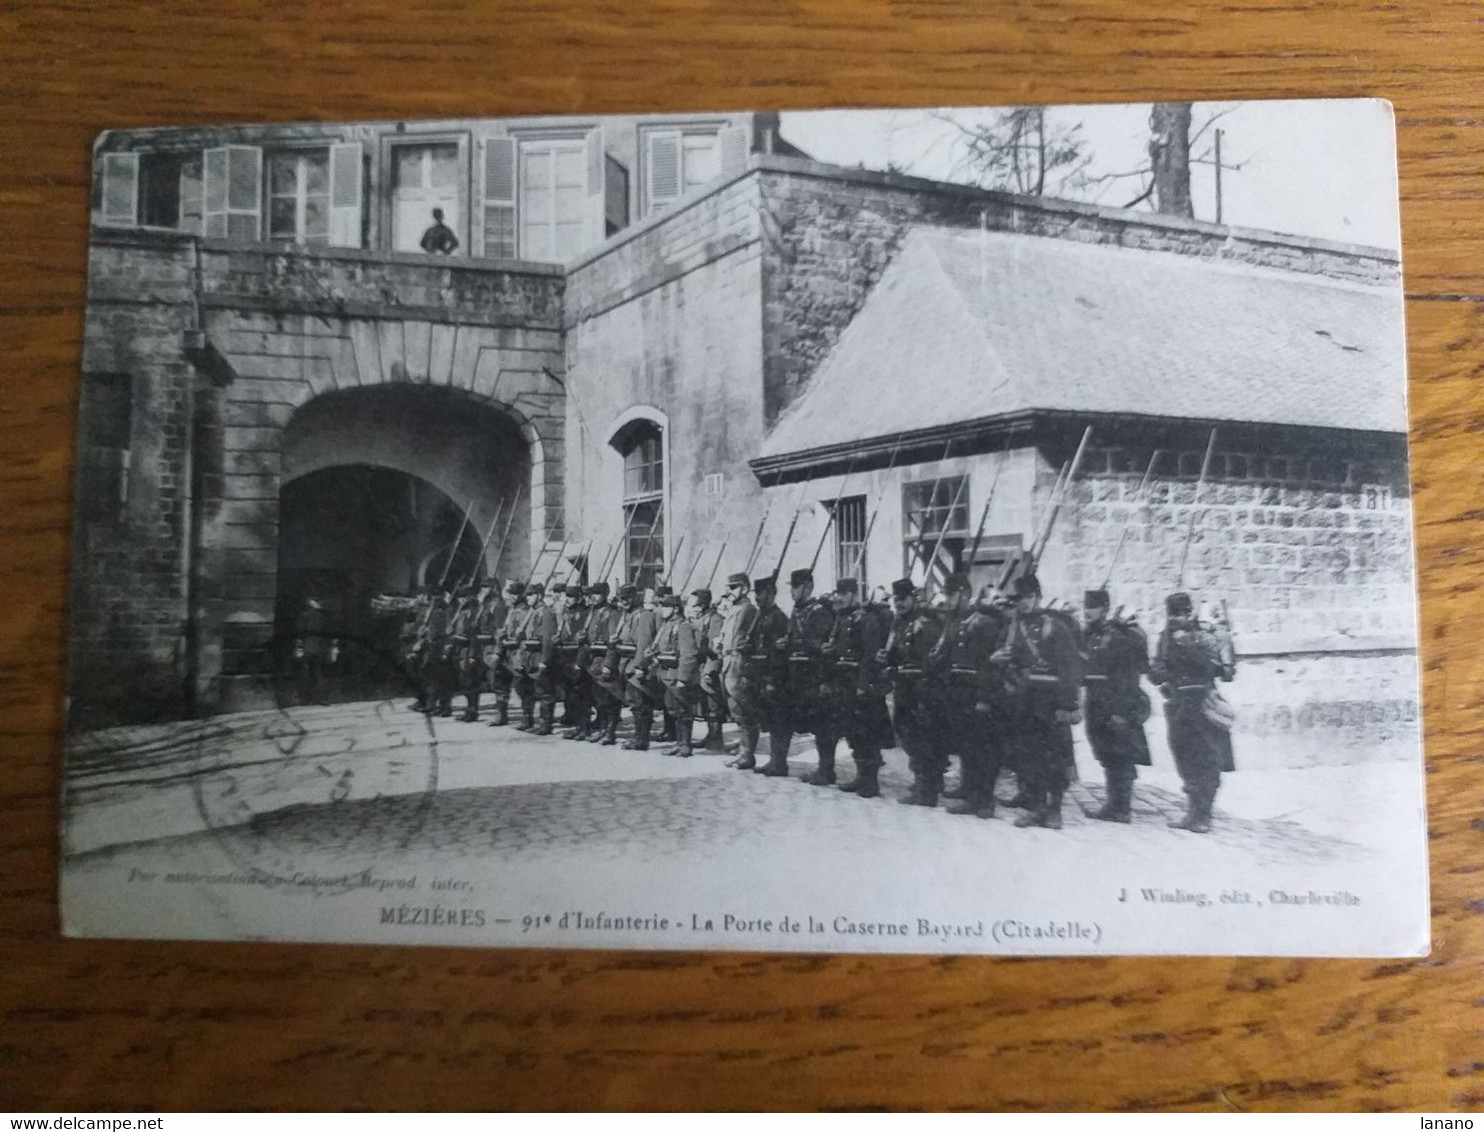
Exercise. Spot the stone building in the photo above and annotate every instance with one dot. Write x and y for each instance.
(671, 329)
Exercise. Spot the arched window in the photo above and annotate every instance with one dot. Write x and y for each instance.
(643, 447)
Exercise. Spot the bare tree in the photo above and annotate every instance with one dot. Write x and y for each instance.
(1026, 150)
(1021, 150)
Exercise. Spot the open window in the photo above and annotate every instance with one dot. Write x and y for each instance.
(935, 526)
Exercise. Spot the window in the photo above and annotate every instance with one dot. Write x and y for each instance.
(643, 488)
(299, 195)
(615, 197)
(170, 190)
(680, 159)
(850, 539)
(424, 177)
(553, 198)
(935, 525)
(106, 413)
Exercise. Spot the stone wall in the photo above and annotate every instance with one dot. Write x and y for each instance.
(831, 233)
(664, 325)
(128, 611)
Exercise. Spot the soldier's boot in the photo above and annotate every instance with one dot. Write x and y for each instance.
(1191, 817)
(924, 792)
(777, 764)
(1203, 803)
(610, 729)
(640, 741)
(1035, 805)
(683, 728)
(599, 732)
(548, 710)
(865, 784)
(1050, 816)
(714, 740)
(667, 729)
(445, 705)
(579, 728)
(471, 709)
(1118, 807)
(824, 774)
(1025, 797)
(527, 717)
(502, 714)
(746, 751)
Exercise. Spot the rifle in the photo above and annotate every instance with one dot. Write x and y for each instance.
(509, 522)
(788, 538)
(933, 494)
(545, 542)
(611, 558)
(648, 542)
(1194, 500)
(555, 562)
(447, 566)
(484, 546)
(757, 539)
(988, 502)
(1143, 489)
(927, 573)
(670, 573)
(1039, 547)
(855, 567)
(712, 576)
(834, 510)
(701, 550)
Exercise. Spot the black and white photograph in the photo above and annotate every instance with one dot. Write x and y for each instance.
(971, 530)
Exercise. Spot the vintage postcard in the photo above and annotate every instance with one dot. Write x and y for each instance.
(954, 531)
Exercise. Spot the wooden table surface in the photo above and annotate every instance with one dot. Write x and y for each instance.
(87, 1025)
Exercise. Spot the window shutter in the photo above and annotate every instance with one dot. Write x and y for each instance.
(733, 150)
(345, 196)
(662, 172)
(499, 198)
(121, 189)
(232, 192)
(597, 213)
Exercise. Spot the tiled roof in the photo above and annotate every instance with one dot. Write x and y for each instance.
(968, 325)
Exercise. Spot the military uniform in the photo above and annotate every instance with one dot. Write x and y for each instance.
(973, 698)
(1042, 662)
(619, 654)
(503, 677)
(639, 689)
(576, 656)
(712, 702)
(489, 622)
(464, 653)
(542, 664)
(793, 694)
(853, 694)
(411, 642)
(437, 665)
(741, 673)
(1188, 660)
(597, 636)
(1115, 707)
(914, 632)
(674, 658)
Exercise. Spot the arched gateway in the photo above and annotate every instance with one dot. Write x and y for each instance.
(354, 480)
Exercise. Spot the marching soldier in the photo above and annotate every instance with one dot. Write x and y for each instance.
(1116, 707)
(507, 650)
(741, 672)
(601, 625)
(914, 632)
(1188, 660)
(525, 659)
(707, 622)
(973, 694)
(675, 660)
(793, 693)
(854, 699)
(1042, 661)
(542, 663)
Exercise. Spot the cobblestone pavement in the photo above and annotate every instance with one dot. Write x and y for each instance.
(340, 786)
